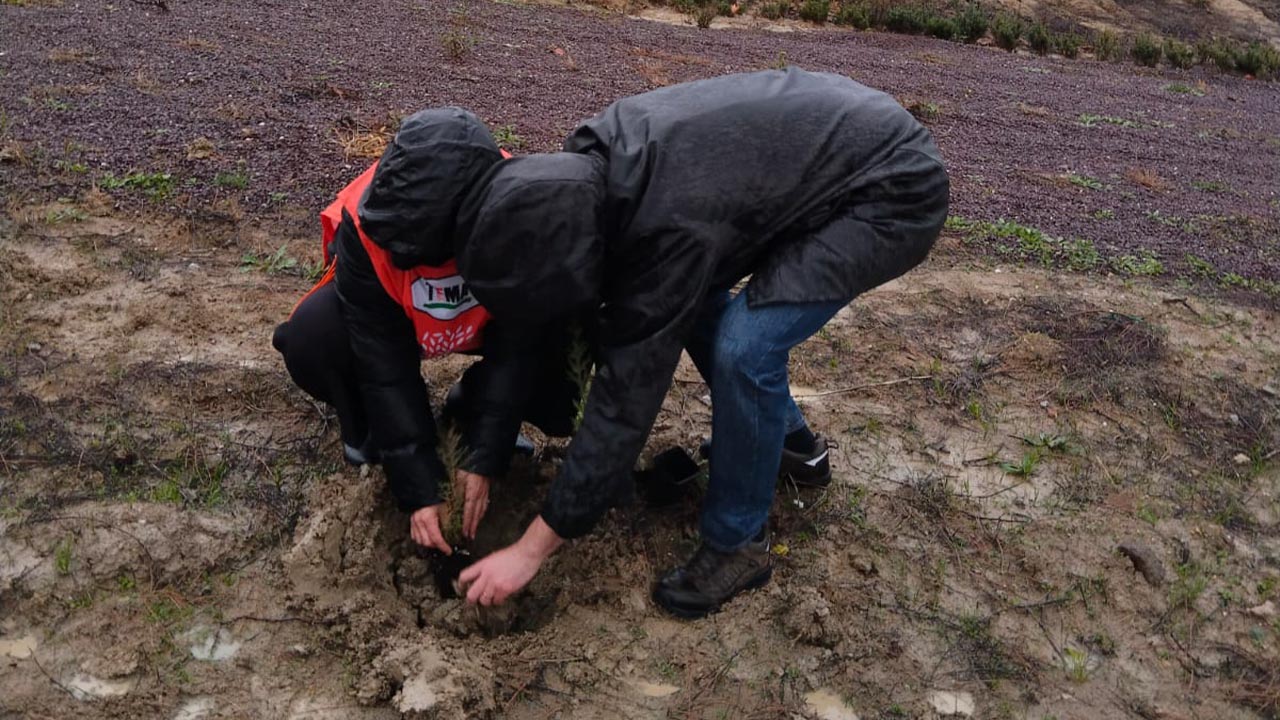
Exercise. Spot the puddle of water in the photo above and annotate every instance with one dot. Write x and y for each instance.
(654, 690)
(19, 648)
(87, 687)
(194, 709)
(828, 706)
(212, 645)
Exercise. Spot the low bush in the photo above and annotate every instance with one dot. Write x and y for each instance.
(1006, 29)
(816, 11)
(1106, 46)
(854, 15)
(942, 27)
(1146, 49)
(1067, 44)
(1179, 54)
(909, 19)
(1258, 59)
(1039, 39)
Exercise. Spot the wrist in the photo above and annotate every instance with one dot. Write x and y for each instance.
(540, 541)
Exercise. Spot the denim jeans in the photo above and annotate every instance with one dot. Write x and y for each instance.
(742, 353)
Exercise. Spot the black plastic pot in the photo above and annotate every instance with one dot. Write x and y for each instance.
(669, 480)
(445, 569)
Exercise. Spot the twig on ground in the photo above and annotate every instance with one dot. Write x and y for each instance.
(856, 388)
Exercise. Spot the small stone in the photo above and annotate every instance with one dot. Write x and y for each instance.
(34, 347)
(1240, 459)
(826, 705)
(864, 565)
(300, 650)
(1265, 610)
(949, 703)
(1234, 418)
(1044, 403)
(193, 267)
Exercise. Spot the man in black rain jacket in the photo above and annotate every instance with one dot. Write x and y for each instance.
(815, 186)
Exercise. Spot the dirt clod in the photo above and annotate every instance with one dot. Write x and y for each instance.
(1145, 561)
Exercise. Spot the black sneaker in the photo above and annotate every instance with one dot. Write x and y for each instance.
(809, 469)
(711, 578)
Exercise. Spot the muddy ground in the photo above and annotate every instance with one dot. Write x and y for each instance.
(1056, 491)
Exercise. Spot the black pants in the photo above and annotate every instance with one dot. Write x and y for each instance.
(318, 356)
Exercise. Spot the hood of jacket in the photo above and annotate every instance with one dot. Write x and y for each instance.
(434, 160)
(530, 241)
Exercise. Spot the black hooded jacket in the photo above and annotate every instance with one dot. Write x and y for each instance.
(818, 187)
(409, 209)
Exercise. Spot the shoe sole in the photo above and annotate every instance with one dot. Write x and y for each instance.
(688, 613)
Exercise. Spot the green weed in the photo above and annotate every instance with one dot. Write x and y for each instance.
(277, 262)
(1090, 120)
(854, 15)
(1179, 54)
(816, 11)
(941, 27)
(1210, 186)
(1106, 46)
(156, 186)
(774, 10)
(1006, 30)
(62, 556)
(1085, 181)
(972, 22)
(1148, 515)
(1146, 49)
(1025, 467)
(1144, 263)
(1076, 663)
(63, 215)
(1104, 214)
(1188, 587)
(1068, 44)
(234, 180)
(1039, 39)
(506, 137)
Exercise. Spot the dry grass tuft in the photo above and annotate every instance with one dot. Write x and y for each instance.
(1146, 178)
(363, 142)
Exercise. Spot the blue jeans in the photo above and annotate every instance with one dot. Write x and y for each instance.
(742, 353)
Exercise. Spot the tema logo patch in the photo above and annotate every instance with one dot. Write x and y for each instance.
(443, 298)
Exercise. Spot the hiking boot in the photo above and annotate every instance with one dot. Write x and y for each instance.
(812, 469)
(711, 578)
(809, 469)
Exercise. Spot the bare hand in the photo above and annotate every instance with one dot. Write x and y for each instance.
(424, 528)
(499, 575)
(504, 573)
(475, 501)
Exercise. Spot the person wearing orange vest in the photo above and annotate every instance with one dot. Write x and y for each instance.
(355, 341)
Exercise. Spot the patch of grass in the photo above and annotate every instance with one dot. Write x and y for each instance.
(506, 137)
(1146, 49)
(815, 11)
(854, 15)
(1210, 186)
(1091, 120)
(1147, 514)
(972, 22)
(237, 180)
(1218, 51)
(277, 262)
(1258, 59)
(1106, 46)
(925, 112)
(125, 582)
(1085, 182)
(1068, 44)
(1144, 263)
(1006, 30)
(1184, 89)
(168, 491)
(1104, 214)
(1048, 442)
(63, 215)
(154, 185)
(1179, 54)
(1076, 663)
(1188, 587)
(62, 556)
(907, 19)
(774, 10)
(1081, 255)
(1039, 39)
(1024, 467)
(942, 27)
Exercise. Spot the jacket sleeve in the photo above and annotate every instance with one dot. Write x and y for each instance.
(497, 390)
(389, 375)
(649, 305)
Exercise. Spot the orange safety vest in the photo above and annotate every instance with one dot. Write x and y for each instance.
(446, 316)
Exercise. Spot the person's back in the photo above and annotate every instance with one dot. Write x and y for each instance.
(739, 159)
